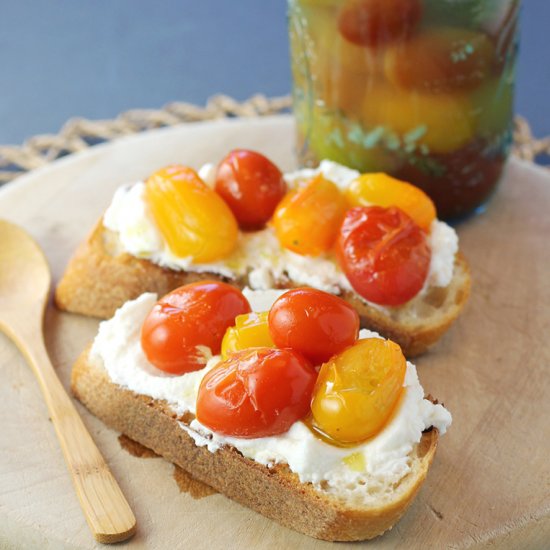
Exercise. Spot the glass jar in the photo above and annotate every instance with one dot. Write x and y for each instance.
(421, 89)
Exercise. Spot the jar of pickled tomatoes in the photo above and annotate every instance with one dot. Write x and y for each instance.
(421, 89)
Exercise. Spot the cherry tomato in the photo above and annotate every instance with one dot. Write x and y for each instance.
(421, 118)
(315, 323)
(441, 60)
(384, 254)
(341, 69)
(250, 331)
(340, 88)
(256, 393)
(189, 319)
(375, 22)
(357, 390)
(307, 220)
(192, 218)
(383, 190)
(251, 185)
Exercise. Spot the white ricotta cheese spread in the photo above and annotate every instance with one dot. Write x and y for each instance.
(259, 253)
(341, 471)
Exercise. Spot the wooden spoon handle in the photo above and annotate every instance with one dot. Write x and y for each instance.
(106, 510)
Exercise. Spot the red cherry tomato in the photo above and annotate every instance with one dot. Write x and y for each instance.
(315, 323)
(440, 60)
(374, 22)
(191, 316)
(256, 393)
(251, 185)
(384, 254)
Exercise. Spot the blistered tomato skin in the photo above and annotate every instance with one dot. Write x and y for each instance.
(376, 22)
(250, 331)
(382, 190)
(307, 220)
(193, 219)
(357, 390)
(251, 185)
(258, 392)
(181, 324)
(384, 254)
(315, 323)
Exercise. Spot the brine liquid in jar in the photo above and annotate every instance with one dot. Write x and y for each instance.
(420, 89)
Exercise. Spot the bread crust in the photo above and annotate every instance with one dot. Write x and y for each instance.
(274, 492)
(100, 278)
(421, 322)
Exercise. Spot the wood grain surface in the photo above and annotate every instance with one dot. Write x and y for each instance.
(490, 483)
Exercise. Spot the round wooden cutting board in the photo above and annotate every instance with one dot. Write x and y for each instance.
(490, 483)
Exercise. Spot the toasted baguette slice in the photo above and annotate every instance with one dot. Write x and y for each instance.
(274, 492)
(101, 277)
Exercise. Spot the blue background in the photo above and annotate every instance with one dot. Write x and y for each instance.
(96, 58)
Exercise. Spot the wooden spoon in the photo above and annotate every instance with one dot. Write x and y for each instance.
(24, 288)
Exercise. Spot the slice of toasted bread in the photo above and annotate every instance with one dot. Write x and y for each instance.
(101, 277)
(274, 492)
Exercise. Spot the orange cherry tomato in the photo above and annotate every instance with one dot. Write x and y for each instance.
(251, 185)
(358, 389)
(375, 22)
(257, 392)
(383, 190)
(307, 220)
(181, 324)
(441, 60)
(384, 254)
(193, 219)
(315, 323)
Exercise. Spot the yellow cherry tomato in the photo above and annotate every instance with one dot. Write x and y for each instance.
(329, 43)
(442, 123)
(307, 220)
(383, 190)
(358, 389)
(340, 70)
(250, 331)
(340, 88)
(193, 219)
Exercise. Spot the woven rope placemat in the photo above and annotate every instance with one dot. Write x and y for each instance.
(80, 133)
